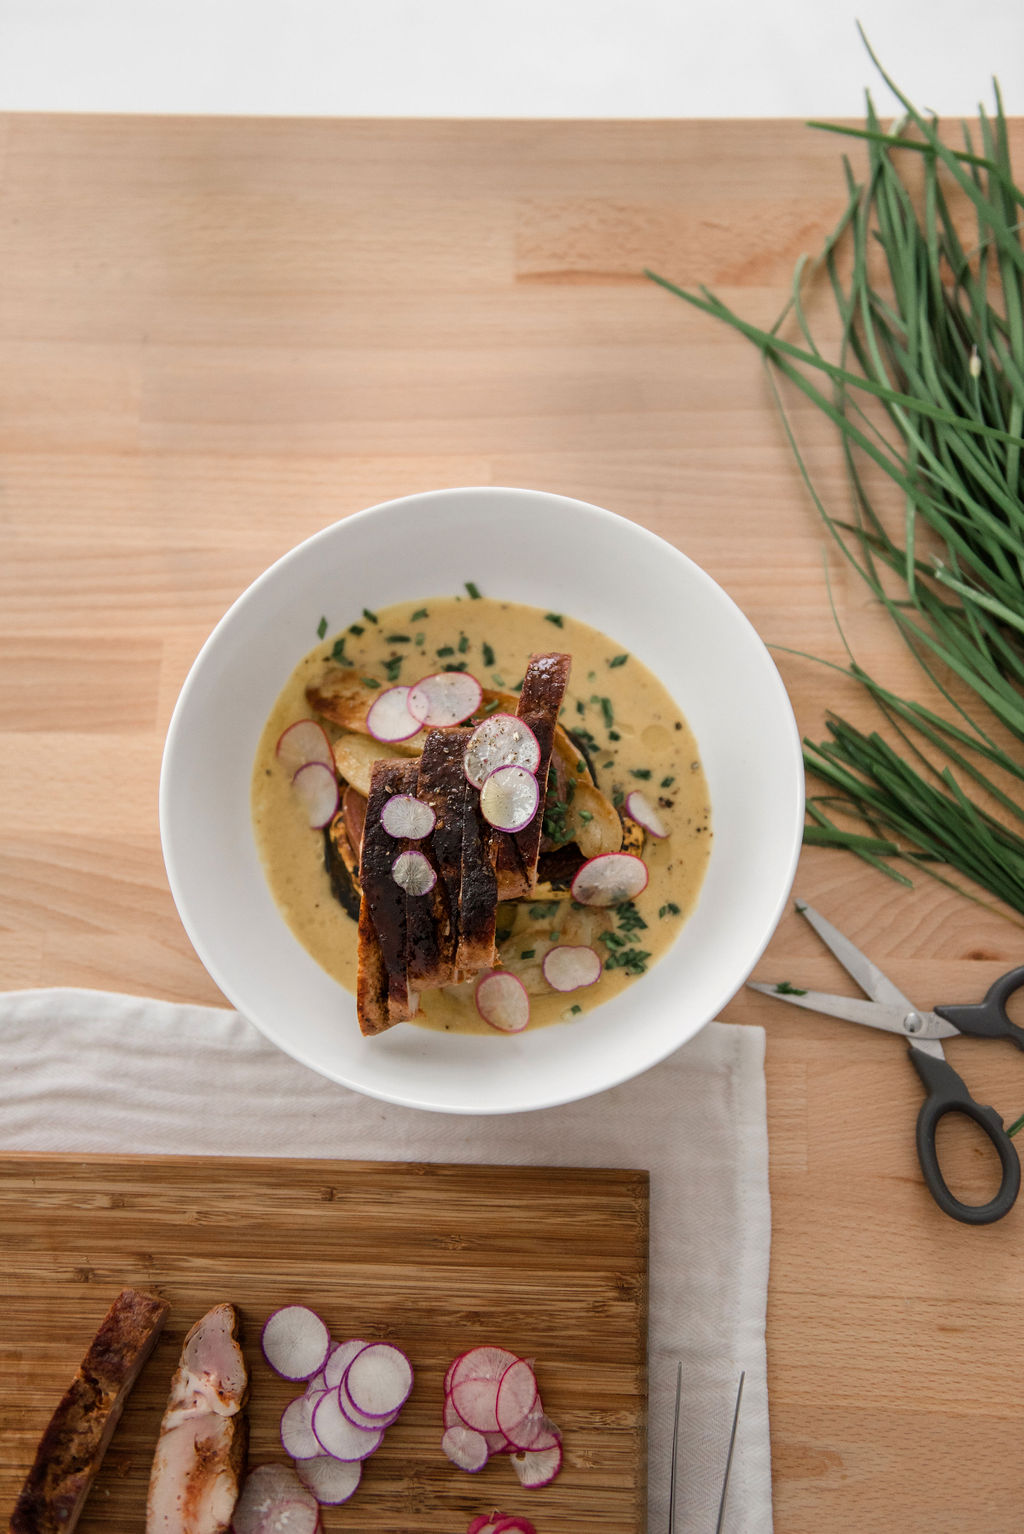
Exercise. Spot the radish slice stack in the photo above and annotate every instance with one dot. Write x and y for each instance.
(445, 698)
(274, 1501)
(500, 1523)
(354, 1391)
(492, 1405)
(500, 741)
(304, 750)
(388, 717)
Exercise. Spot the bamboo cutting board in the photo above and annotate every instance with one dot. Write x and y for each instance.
(551, 1263)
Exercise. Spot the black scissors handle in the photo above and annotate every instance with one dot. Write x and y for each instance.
(947, 1093)
(988, 1018)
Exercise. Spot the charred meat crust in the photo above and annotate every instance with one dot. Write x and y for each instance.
(478, 890)
(442, 784)
(541, 697)
(385, 900)
(76, 1438)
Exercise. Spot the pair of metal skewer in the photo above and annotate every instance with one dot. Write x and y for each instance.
(675, 1454)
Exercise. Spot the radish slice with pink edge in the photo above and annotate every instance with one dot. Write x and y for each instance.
(509, 798)
(360, 1418)
(537, 1467)
(379, 1379)
(536, 1434)
(486, 1362)
(500, 741)
(388, 717)
(268, 1492)
(297, 1436)
(640, 809)
(412, 872)
(405, 815)
(295, 1342)
(332, 1481)
(567, 968)
(465, 1447)
(302, 742)
(503, 1001)
(317, 789)
(497, 1443)
(476, 1402)
(445, 698)
(609, 879)
(517, 1395)
(338, 1436)
(511, 1524)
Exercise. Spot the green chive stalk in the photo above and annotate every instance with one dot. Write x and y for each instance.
(927, 386)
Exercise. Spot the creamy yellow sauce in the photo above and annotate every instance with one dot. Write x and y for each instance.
(638, 740)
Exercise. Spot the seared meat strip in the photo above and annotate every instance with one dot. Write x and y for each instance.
(478, 889)
(200, 1454)
(442, 784)
(422, 950)
(79, 1431)
(383, 901)
(539, 702)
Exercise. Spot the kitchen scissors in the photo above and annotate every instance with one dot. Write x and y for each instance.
(889, 1009)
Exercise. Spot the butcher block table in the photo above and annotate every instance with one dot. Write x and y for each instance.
(217, 337)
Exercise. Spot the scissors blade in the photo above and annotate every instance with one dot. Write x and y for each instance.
(728, 1463)
(903, 1019)
(867, 975)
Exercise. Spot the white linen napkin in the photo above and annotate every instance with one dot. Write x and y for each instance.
(92, 1071)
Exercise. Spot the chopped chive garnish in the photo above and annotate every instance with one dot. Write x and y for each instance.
(618, 797)
(420, 639)
(369, 616)
(445, 649)
(321, 628)
(669, 909)
(502, 934)
(392, 667)
(585, 815)
(556, 619)
(640, 772)
(454, 665)
(463, 644)
(338, 652)
(370, 681)
(613, 940)
(785, 989)
(618, 660)
(538, 912)
(581, 765)
(490, 707)
(488, 654)
(498, 680)
(581, 707)
(575, 1008)
(632, 960)
(629, 917)
(473, 590)
(614, 735)
(667, 782)
(554, 936)
(607, 764)
(396, 639)
(356, 628)
(528, 953)
(421, 612)
(606, 710)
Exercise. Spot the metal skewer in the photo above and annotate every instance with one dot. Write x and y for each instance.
(728, 1463)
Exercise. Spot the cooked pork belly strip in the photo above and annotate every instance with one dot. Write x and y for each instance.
(478, 890)
(423, 957)
(381, 896)
(79, 1431)
(539, 702)
(200, 1454)
(443, 785)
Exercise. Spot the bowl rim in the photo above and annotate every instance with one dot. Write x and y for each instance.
(273, 573)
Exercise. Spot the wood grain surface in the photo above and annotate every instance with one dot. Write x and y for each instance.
(437, 1259)
(217, 337)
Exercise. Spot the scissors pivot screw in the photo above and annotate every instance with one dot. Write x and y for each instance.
(913, 1022)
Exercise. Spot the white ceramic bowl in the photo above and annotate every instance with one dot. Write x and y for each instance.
(554, 553)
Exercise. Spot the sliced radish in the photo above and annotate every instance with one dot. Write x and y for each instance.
(465, 1447)
(535, 1434)
(476, 1402)
(295, 1342)
(609, 879)
(538, 1467)
(379, 1379)
(297, 1436)
(338, 1435)
(509, 798)
(413, 873)
(517, 1396)
(445, 698)
(404, 815)
(388, 717)
(503, 1001)
(341, 1357)
(500, 741)
(641, 810)
(486, 1362)
(332, 1481)
(504, 1524)
(302, 742)
(317, 790)
(361, 1418)
(274, 1492)
(567, 968)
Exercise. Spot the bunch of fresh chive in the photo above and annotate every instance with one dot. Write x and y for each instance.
(927, 386)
